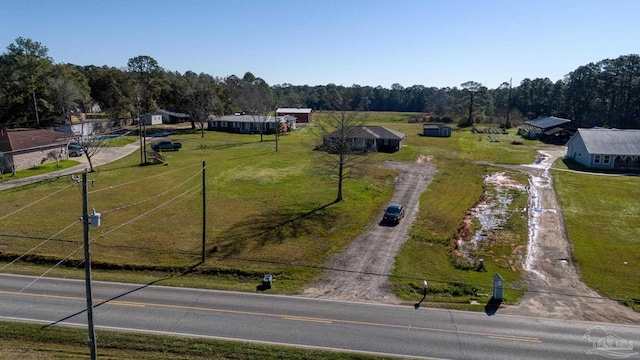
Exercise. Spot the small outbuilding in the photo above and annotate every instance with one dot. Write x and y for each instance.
(172, 117)
(302, 115)
(436, 130)
(151, 119)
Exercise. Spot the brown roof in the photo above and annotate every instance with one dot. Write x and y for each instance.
(11, 140)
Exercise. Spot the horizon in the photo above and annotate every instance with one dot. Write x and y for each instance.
(375, 43)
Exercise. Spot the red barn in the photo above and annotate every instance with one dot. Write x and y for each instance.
(302, 115)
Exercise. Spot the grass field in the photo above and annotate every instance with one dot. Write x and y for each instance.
(40, 169)
(267, 211)
(602, 216)
(272, 212)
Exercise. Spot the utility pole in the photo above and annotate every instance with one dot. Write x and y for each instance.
(142, 148)
(277, 128)
(204, 212)
(507, 123)
(87, 266)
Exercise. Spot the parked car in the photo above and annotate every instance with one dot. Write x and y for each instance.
(393, 214)
(75, 150)
(166, 145)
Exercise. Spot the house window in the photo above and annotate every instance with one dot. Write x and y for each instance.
(214, 124)
(236, 125)
(223, 124)
(596, 160)
(606, 159)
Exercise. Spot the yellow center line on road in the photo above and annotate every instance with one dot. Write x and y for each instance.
(285, 317)
(300, 318)
(515, 338)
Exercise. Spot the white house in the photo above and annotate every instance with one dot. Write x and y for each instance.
(152, 119)
(599, 148)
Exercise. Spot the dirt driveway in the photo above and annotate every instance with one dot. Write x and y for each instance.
(555, 289)
(554, 286)
(367, 260)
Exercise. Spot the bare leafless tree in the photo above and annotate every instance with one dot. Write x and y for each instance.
(340, 133)
(255, 98)
(95, 143)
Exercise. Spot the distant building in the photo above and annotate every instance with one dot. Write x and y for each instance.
(172, 117)
(251, 124)
(26, 148)
(302, 115)
(548, 129)
(436, 130)
(599, 148)
(151, 119)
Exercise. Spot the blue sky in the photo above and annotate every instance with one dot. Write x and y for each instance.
(413, 42)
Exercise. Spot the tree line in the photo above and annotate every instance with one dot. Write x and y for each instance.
(38, 92)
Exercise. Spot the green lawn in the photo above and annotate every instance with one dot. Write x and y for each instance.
(602, 215)
(267, 211)
(38, 170)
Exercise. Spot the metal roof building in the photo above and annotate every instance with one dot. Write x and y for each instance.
(600, 148)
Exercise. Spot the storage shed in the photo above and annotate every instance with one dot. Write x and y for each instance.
(302, 115)
(436, 130)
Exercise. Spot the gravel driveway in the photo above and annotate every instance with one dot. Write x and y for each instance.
(366, 261)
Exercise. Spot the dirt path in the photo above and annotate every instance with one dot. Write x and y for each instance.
(555, 288)
(367, 259)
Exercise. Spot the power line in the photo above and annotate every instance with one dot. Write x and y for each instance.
(42, 243)
(35, 202)
(448, 282)
(141, 179)
(51, 268)
(40, 238)
(153, 197)
(148, 212)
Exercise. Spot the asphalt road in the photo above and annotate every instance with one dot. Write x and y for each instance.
(361, 327)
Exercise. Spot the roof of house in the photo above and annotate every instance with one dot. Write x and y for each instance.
(372, 132)
(12, 140)
(294, 110)
(435, 126)
(610, 141)
(249, 118)
(547, 122)
(171, 113)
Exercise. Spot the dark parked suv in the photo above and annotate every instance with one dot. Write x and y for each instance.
(75, 150)
(393, 214)
(166, 145)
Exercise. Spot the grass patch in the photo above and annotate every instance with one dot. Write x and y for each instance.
(38, 170)
(30, 341)
(602, 216)
(267, 211)
(428, 253)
